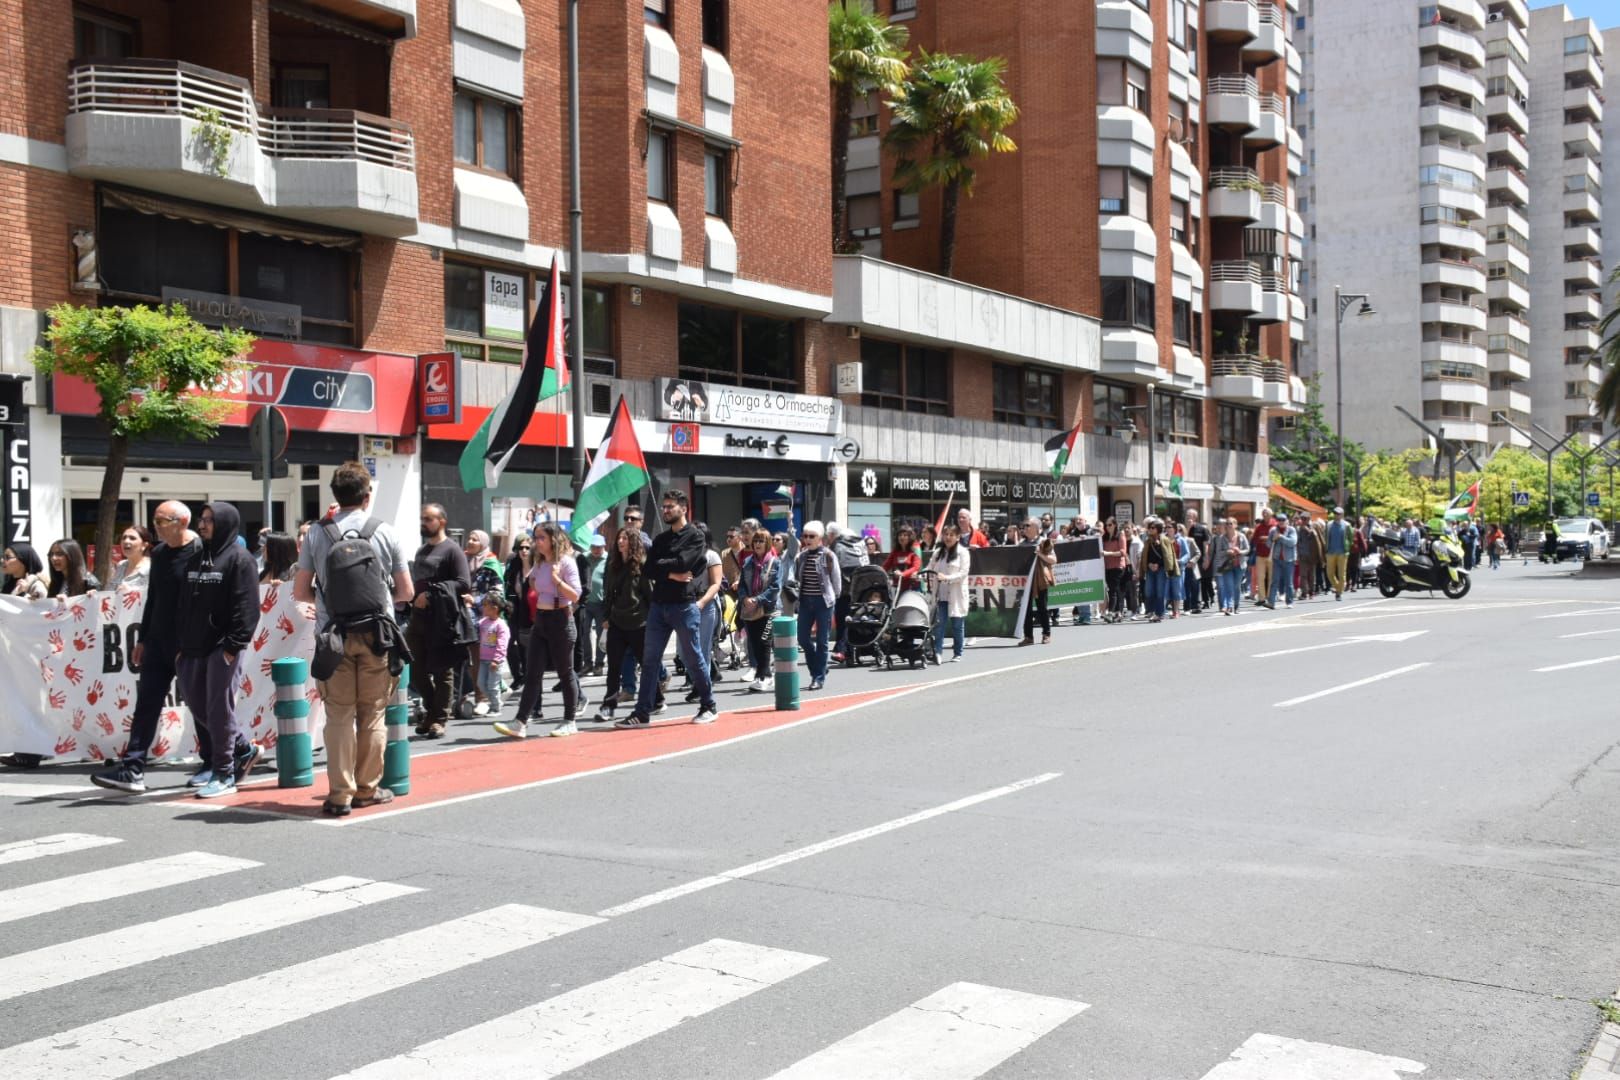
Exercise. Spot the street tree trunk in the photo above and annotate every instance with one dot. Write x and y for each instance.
(947, 227)
(843, 105)
(112, 482)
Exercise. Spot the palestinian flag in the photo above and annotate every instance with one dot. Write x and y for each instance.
(1463, 505)
(1176, 476)
(617, 472)
(544, 374)
(1058, 449)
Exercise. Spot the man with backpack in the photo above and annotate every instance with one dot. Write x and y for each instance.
(354, 571)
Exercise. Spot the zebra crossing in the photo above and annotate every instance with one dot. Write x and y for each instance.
(960, 1031)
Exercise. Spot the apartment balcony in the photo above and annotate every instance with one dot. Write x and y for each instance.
(1130, 355)
(1455, 120)
(1452, 77)
(1587, 304)
(1583, 338)
(1584, 100)
(1270, 41)
(1511, 182)
(1452, 351)
(392, 18)
(1234, 285)
(1469, 13)
(1272, 128)
(1508, 364)
(156, 124)
(1584, 136)
(1453, 313)
(1447, 388)
(1274, 209)
(1296, 152)
(1508, 401)
(1232, 21)
(1453, 272)
(1278, 387)
(1452, 39)
(1233, 102)
(1501, 434)
(1125, 138)
(1587, 168)
(1510, 325)
(1293, 68)
(1454, 236)
(1509, 292)
(1124, 29)
(1504, 107)
(1508, 144)
(1584, 238)
(1238, 378)
(1273, 299)
(1517, 12)
(1584, 271)
(1234, 195)
(1592, 375)
(1586, 65)
(1583, 206)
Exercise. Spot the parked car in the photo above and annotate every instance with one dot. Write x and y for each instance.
(1582, 538)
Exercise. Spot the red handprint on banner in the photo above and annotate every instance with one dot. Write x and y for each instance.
(79, 613)
(57, 644)
(74, 675)
(129, 725)
(107, 608)
(104, 722)
(268, 739)
(84, 639)
(260, 640)
(286, 627)
(95, 753)
(45, 673)
(58, 699)
(258, 719)
(95, 692)
(122, 702)
(270, 596)
(79, 718)
(160, 747)
(66, 745)
(264, 667)
(131, 598)
(247, 686)
(171, 718)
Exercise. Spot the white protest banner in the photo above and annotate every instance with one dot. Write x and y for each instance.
(71, 681)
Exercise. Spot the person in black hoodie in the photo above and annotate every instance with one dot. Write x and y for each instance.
(219, 611)
(677, 566)
(153, 655)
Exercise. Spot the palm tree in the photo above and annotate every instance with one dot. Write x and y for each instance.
(864, 53)
(953, 109)
(1608, 392)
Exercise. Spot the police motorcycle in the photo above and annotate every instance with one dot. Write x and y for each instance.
(1438, 564)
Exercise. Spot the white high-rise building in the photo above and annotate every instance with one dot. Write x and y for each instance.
(1457, 182)
(1611, 183)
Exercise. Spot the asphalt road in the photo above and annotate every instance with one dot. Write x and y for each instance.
(1123, 856)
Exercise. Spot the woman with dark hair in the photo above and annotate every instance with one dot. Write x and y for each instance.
(759, 589)
(25, 573)
(903, 564)
(1116, 564)
(627, 597)
(136, 543)
(555, 577)
(280, 558)
(69, 575)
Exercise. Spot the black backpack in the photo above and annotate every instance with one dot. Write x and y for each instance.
(354, 583)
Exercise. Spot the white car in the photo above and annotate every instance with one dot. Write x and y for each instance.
(1582, 538)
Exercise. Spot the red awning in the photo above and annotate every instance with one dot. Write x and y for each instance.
(1297, 501)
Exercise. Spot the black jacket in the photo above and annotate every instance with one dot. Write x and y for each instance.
(673, 552)
(219, 605)
(165, 589)
(517, 595)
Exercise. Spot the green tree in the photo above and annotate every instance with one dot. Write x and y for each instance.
(865, 53)
(1307, 461)
(148, 365)
(951, 111)
(1398, 486)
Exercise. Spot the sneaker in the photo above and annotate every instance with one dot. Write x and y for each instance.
(706, 715)
(481, 709)
(634, 720)
(126, 778)
(1289, 604)
(376, 798)
(423, 728)
(217, 787)
(816, 684)
(331, 809)
(564, 729)
(759, 686)
(1026, 641)
(659, 706)
(435, 731)
(955, 659)
(201, 778)
(244, 762)
(517, 729)
(603, 714)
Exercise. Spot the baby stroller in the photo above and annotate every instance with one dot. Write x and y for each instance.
(911, 625)
(871, 599)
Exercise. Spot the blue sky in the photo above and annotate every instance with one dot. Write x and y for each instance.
(1606, 12)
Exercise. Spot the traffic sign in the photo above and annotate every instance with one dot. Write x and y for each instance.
(1521, 498)
(269, 422)
(1592, 498)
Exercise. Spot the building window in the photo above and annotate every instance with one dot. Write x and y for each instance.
(656, 12)
(658, 170)
(865, 216)
(863, 115)
(905, 377)
(717, 182)
(1579, 44)
(1177, 419)
(486, 311)
(98, 35)
(1178, 220)
(904, 7)
(1025, 395)
(714, 24)
(1240, 429)
(486, 133)
(906, 207)
(1120, 82)
(1123, 191)
(1108, 402)
(1178, 23)
(720, 345)
(1181, 321)
(1127, 302)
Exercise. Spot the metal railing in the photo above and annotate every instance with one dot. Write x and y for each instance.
(1273, 371)
(134, 87)
(1273, 283)
(1235, 270)
(1239, 364)
(1271, 13)
(1273, 103)
(1236, 179)
(1234, 84)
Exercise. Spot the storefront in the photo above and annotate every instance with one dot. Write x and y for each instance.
(885, 497)
(1009, 500)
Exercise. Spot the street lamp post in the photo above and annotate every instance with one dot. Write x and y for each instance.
(1128, 431)
(1442, 445)
(1341, 304)
(1583, 457)
(1550, 449)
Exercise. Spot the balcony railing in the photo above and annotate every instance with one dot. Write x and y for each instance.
(1235, 270)
(1273, 103)
(175, 88)
(1271, 13)
(1273, 283)
(1234, 84)
(1273, 371)
(1235, 179)
(1238, 364)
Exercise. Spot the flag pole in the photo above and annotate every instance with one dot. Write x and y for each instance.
(576, 254)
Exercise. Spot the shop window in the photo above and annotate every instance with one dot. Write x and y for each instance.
(1108, 407)
(720, 345)
(1240, 429)
(714, 24)
(717, 182)
(905, 377)
(1024, 395)
(486, 133)
(658, 171)
(101, 35)
(1127, 302)
(656, 12)
(1177, 419)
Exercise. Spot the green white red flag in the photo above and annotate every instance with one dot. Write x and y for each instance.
(618, 471)
(1176, 476)
(1058, 450)
(1464, 504)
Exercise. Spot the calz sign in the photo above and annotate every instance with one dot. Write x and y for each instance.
(19, 505)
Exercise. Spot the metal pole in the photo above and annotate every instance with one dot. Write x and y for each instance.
(576, 254)
(1153, 485)
(1338, 388)
(264, 415)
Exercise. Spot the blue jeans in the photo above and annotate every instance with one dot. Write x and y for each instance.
(709, 622)
(1190, 588)
(487, 683)
(815, 623)
(1282, 579)
(1173, 578)
(684, 621)
(1230, 584)
(955, 624)
(1156, 592)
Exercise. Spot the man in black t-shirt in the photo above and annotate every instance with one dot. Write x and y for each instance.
(1199, 533)
(442, 583)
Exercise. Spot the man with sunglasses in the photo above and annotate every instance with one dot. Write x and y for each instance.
(677, 565)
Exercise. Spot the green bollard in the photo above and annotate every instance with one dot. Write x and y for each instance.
(785, 638)
(294, 760)
(397, 755)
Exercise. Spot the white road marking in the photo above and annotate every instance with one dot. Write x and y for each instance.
(580, 1026)
(210, 1019)
(128, 946)
(11, 790)
(1271, 1057)
(1579, 663)
(1577, 614)
(1355, 639)
(1351, 685)
(962, 1032)
(1592, 633)
(45, 897)
(786, 857)
(56, 844)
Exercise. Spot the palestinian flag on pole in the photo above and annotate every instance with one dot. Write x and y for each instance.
(1463, 505)
(1058, 449)
(1176, 476)
(617, 472)
(544, 374)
